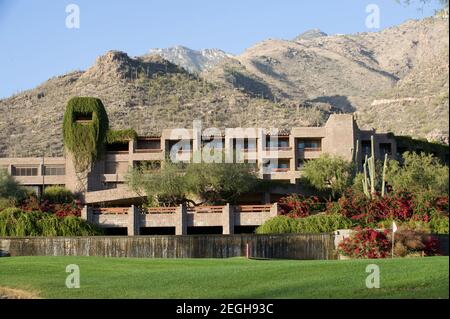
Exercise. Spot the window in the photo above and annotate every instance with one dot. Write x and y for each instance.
(213, 143)
(147, 165)
(277, 142)
(385, 148)
(54, 170)
(366, 148)
(116, 167)
(119, 147)
(309, 145)
(112, 185)
(83, 118)
(148, 144)
(301, 163)
(24, 171)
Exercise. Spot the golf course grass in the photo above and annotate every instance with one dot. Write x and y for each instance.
(225, 278)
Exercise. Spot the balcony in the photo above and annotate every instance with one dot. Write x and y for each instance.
(277, 152)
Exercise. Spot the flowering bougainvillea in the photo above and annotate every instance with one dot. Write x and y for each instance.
(398, 206)
(300, 206)
(366, 243)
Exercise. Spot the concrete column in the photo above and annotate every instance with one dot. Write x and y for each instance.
(133, 221)
(181, 220)
(86, 213)
(274, 210)
(131, 148)
(293, 160)
(228, 220)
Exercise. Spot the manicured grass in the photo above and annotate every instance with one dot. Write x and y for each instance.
(226, 278)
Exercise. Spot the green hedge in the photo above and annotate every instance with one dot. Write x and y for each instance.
(58, 195)
(15, 222)
(323, 223)
(320, 223)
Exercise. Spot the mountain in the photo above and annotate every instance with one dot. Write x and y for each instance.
(192, 60)
(310, 34)
(395, 79)
(147, 94)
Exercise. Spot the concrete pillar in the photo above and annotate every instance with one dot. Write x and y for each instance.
(274, 210)
(133, 221)
(181, 220)
(86, 213)
(293, 160)
(228, 220)
(131, 148)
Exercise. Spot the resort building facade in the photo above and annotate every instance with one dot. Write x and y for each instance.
(278, 157)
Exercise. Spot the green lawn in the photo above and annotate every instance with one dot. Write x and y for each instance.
(226, 278)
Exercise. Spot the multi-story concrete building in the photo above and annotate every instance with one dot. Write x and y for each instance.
(280, 156)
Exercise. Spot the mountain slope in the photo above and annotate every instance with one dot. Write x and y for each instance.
(356, 73)
(147, 94)
(191, 60)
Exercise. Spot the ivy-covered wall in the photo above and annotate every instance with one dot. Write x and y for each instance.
(86, 139)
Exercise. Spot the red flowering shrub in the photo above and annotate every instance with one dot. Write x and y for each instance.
(32, 204)
(431, 246)
(397, 206)
(366, 243)
(296, 205)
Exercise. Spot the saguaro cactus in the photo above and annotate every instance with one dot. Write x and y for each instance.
(369, 171)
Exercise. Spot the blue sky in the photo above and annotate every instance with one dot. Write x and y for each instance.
(36, 44)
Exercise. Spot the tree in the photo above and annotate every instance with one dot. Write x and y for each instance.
(329, 173)
(165, 186)
(419, 174)
(10, 188)
(220, 182)
(194, 183)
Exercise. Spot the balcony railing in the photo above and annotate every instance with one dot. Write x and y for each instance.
(159, 210)
(110, 211)
(148, 150)
(277, 148)
(280, 170)
(253, 208)
(310, 149)
(206, 209)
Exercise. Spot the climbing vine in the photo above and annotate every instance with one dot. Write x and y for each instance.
(86, 131)
(117, 136)
(85, 139)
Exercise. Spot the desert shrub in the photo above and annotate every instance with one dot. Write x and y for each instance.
(366, 243)
(323, 223)
(279, 225)
(420, 174)
(7, 203)
(411, 242)
(58, 195)
(329, 173)
(10, 188)
(312, 224)
(296, 205)
(16, 222)
(439, 224)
